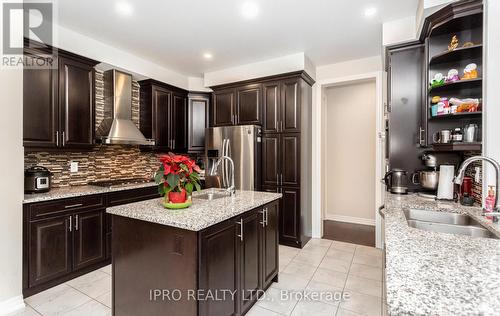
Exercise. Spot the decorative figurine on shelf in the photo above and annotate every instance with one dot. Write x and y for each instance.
(468, 44)
(470, 72)
(453, 43)
(452, 76)
(438, 80)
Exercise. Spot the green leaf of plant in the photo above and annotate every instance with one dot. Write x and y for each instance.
(173, 180)
(159, 175)
(161, 189)
(197, 185)
(189, 187)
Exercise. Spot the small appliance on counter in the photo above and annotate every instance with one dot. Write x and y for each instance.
(428, 178)
(396, 181)
(37, 179)
(446, 187)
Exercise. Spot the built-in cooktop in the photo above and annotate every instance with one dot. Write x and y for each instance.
(120, 182)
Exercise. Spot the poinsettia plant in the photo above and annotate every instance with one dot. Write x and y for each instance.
(177, 173)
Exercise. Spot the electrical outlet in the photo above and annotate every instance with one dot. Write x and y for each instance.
(73, 166)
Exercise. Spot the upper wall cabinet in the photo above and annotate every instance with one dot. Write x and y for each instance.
(197, 121)
(237, 106)
(163, 115)
(58, 104)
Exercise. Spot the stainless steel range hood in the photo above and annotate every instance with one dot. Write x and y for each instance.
(117, 126)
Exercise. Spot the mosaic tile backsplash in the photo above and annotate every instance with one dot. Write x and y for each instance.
(104, 162)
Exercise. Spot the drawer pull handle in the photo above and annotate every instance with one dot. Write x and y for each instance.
(73, 205)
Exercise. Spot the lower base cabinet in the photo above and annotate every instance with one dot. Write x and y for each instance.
(240, 256)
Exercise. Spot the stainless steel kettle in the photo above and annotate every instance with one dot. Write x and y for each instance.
(396, 181)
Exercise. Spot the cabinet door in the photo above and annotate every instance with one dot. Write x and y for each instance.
(218, 268)
(49, 249)
(223, 108)
(290, 216)
(76, 103)
(249, 105)
(290, 106)
(161, 107)
(270, 159)
(40, 111)
(178, 123)
(270, 240)
(271, 95)
(290, 160)
(89, 241)
(197, 122)
(249, 260)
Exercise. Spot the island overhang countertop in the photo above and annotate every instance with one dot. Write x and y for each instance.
(201, 214)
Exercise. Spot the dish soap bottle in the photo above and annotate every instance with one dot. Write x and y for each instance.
(489, 202)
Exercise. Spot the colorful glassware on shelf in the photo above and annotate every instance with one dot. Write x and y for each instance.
(452, 76)
(438, 80)
(470, 72)
(453, 43)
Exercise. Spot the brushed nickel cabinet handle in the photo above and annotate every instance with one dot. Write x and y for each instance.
(76, 222)
(265, 216)
(63, 139)
(70, 223)
(57, 138)
(263, 212)
(241, 229)
(73, 205)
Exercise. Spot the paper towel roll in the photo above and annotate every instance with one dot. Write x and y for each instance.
(445, 186)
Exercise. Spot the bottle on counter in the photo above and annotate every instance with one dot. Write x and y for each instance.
(489, 202)
(457, 136)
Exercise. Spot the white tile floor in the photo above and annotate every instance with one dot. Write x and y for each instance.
(322, 267)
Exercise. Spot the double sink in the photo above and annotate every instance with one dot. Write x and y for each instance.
(442, 222)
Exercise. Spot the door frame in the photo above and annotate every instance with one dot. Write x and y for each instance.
(317, 144)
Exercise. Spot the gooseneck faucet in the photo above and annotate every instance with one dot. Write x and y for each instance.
(231, 189)
(461, 173)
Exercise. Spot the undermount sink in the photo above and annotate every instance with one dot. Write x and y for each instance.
(212, 195)
(442, 222)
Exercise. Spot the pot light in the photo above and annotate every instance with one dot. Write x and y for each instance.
(369, 12)
(208, 56)
(124, 8)
(249, 10)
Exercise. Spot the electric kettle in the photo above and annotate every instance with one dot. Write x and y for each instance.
(396, 181)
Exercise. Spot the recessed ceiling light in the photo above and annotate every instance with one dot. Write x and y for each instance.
(369, 12)
(124, 8)
(250, 10)
(208, 56)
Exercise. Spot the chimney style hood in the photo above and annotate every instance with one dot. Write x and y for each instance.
(117, 126)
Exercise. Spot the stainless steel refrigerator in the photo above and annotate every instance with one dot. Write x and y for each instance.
(243, 145)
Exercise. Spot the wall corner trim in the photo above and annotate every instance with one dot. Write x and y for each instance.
(11, 305)
(350, 219)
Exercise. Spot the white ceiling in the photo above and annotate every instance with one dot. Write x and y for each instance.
(176, 33)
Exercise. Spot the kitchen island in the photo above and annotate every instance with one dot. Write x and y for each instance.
(213, 258)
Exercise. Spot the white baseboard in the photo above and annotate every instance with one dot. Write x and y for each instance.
(11, 305)
(350, 219)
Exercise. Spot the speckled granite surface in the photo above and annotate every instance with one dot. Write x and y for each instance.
(200, 215)
(430, 273)
(67, 192)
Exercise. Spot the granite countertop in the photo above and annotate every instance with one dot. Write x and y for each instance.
(202, 214)
(74, 191)
(430, 273)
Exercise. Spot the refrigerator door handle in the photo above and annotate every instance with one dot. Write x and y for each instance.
(226, 165)
(223, 163)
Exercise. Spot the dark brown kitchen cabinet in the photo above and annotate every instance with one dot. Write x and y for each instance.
(249, 105)
(290, 106)
(197, 121)
(289, 228)
(249, 259)
(164, 115)
(89, 240)
(58, 104)
(49, 248)
(269, 243)
(281, 159)
(76, 102)
(223, 111)
(218, 268)
(271, 106)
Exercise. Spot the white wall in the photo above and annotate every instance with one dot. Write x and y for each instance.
(491, 131)
(349, 68)
(349, 145)
(264, 68)
(83, 45)
(11, 188)
(399, 31)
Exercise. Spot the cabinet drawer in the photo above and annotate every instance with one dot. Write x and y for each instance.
(51, 208)
(133, 195)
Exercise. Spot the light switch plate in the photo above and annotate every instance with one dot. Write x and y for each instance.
(73, 166)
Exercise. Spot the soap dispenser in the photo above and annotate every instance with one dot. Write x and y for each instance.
(489, 202)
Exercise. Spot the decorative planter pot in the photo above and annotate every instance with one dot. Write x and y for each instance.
(177, 197)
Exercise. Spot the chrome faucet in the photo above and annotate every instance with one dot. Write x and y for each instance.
(231, 189)
(461, 173)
